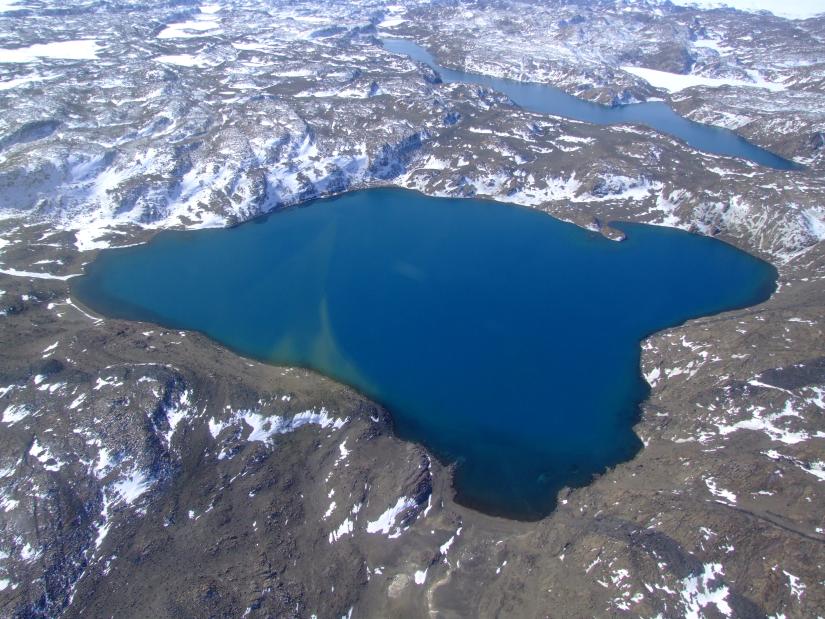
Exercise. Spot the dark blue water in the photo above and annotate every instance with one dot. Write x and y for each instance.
(501, 338)
(547, 99)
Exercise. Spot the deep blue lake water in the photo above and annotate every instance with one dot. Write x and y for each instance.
(501, 338)
(547, 99)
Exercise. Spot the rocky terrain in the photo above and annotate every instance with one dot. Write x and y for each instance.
(147, 472)
(592, 50)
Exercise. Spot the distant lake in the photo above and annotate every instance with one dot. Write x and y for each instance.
(499, 337)
(547, 99)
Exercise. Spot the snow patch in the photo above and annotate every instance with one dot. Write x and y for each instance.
(42, 454)
(675, 82)
(727, 495)
(132, 487)
(14, 413)
(216, 427)
(264, 428)
(762, 422)
(346, 528)
(798, 9)
(179, 409)
(701, 591)
(185, 60)
(386, 521)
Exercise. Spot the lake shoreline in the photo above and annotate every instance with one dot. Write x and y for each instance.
(349, 374)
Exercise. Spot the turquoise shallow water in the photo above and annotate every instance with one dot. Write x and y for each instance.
(501, 338)
(547, 99)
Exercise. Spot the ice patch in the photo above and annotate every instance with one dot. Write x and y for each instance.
(20, 81)
(204, 24)
(81, 49)
(35, 275)
(391, 22)
(675, 82)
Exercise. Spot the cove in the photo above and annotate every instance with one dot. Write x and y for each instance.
(503, 339)
(547, 99)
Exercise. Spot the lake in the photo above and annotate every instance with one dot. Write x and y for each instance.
(501, 338)
(547, 99)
